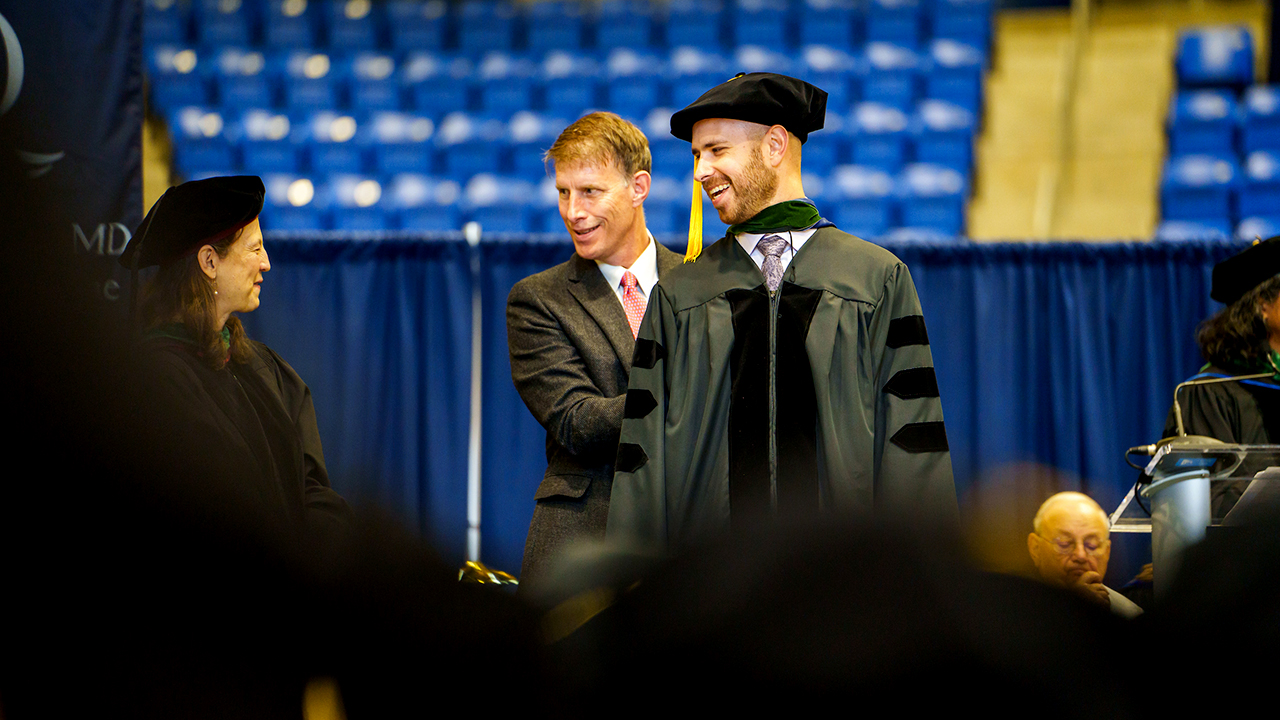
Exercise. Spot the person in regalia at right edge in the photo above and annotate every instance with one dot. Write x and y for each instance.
(1241, 339)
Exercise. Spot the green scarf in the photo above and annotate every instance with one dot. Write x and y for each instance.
(789, 215)
(1262, 366)
(178, 331)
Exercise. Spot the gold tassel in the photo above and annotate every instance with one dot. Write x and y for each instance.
(695, 223)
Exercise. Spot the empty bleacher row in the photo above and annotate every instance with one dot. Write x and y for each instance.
(1222, 175)
(902, 113)
(478, 26)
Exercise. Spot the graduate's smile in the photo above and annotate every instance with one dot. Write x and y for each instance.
(716, 190)
(731, 169)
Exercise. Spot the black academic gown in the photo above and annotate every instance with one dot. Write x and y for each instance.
(745, 407)
(259, 419)
(1245, 412)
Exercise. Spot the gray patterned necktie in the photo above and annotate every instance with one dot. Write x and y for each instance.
(771, 246)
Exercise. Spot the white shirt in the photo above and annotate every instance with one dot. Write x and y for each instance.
(645, 268)
(795, 240)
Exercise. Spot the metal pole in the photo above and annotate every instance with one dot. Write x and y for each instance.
(472, 233)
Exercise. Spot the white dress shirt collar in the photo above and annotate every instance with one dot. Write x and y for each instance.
(645, 268)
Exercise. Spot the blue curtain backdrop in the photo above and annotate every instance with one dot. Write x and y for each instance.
(381, 332)
(1063, 354)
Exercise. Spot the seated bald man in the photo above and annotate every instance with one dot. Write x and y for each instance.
(1070, 547)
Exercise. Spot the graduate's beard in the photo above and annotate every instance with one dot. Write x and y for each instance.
(755, 190)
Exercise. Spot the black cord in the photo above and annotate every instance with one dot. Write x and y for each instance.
(1137, 496)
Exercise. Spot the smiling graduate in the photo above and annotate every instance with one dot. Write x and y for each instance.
(786, 371)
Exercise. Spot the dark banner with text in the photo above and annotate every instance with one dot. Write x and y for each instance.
(71, 110)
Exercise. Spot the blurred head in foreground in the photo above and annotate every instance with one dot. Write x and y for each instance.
(1070, 539)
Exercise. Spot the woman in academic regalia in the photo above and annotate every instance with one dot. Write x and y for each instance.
(1241, 339)
(237, 396)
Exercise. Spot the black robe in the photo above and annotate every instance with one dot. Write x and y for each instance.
(745, 406)
(259, 418)
(1245, 413)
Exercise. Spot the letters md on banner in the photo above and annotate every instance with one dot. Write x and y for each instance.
(71, 120)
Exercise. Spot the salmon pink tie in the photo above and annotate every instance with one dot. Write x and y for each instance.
(633, 301)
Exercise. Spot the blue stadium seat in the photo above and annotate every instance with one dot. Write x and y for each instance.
(944, 134)
(353, 24)
(666, 210)
(698, 23)
(1215, 56)
(830, 22)
(314, 80)
(329, 139)
(695, 71)
(1203, 121)
(1260, 189)
(506, 83)
(880, 133)
(1258, 227)
(546, 206)
(834, 71)
(500, 204)
(624, 24)
(177, 77)
(759, 58)
(166, 22)
(293, 202)
(968, 21)
(398, 142)
(1199, 187)
(671, 157)
(826, 148)
(634, 82)
(241, 78)
(762, 22)
(555, 25)
(199, 142)
(486, 26)
(862, 200)
(374, 82)
(530, 134)
(1261, 125)
(571, 83)
(356, 203)
(437, 84)
(267, 142)
(895, 21)
(290, 24)
(424, 203)
(955, 73)
(471, 144)
(1183, 230)
(918, 235)
(892, 72)
(933, 197)
(225, 22)
(417, 24)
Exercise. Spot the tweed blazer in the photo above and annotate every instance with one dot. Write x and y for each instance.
(571, 350)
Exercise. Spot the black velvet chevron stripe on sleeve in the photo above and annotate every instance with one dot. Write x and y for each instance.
(631, 457)
(648, 353)
(907, 330)
(913, 383)
(639, 403)
(920, 437)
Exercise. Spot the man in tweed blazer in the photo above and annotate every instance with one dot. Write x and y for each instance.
(571, 329)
